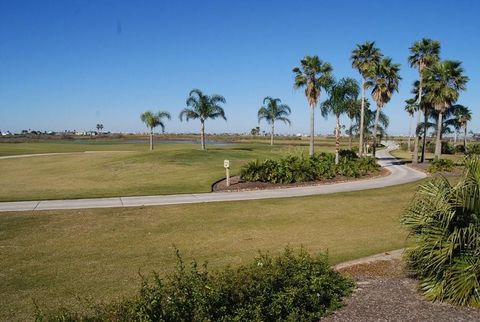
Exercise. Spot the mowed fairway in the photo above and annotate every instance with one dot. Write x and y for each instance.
(54, 256)
(122, 169)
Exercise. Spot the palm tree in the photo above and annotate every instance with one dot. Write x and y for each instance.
(444, 226)
(426, 107)
(363, 58)
(448, 121)
(444, 80)
(273, 110)
(410, 108)
(463, 115)
(313, 74)
(384, 81)
(152, 120)
(343, 95)
(203, 107)
(423, 54)
(369, 125)
(353, 113)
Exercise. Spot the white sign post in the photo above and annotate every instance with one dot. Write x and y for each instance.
(226, 165)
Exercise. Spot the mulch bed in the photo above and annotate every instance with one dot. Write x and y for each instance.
(236, 184)
(384, 292)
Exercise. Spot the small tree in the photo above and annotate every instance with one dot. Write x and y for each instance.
(203, 107)
(273, 111)
(343, 95)
(152, 120)
(99, 127)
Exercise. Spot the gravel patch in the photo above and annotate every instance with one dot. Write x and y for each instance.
(385, 293)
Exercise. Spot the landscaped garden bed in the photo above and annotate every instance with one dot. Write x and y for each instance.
(302, 170)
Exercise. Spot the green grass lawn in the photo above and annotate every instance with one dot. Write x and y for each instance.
(407, 156)
(121, 169)
(54, 256)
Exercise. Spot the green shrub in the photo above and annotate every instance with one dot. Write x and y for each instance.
(459, 149)
(404, 146)
(447, 148)
(473, 148)
(350, 154)
(441, 165)
(294, 286)
(444, 224)
(303, 168)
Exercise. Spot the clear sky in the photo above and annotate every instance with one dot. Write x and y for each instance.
(72, 64)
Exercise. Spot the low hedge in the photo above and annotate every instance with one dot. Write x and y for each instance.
(441, 165)
(294, 286)
(304, 168)
(473, 149)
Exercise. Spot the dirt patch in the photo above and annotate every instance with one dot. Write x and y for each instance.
(384, 292)
(237, 184)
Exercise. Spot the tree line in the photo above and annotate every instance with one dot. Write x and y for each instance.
(435, 93)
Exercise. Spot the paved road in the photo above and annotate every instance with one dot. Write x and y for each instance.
(399, 174)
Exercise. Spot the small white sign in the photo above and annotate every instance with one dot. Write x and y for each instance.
(226, 164)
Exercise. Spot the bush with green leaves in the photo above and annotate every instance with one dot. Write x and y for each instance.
(294, 286)
(473, 148)
(440, 165)
(444, 225)
(447, 147)
(305, 168)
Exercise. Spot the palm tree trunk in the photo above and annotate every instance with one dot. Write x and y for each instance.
(409, 133)
(374, 145)
(151, 139)
(465, 139)
(419, 101)
(350, 135)
(425, 129)
(415, 144)
(202, 133)
(273, 133)
(438, 144)
(312, 129)
(337, 139)
(362, 118)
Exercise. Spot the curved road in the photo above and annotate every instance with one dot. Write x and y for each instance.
(399, 174)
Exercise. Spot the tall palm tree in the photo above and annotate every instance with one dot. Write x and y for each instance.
(363, 58)
(152, 120)
(426, 107)
(444, 80)
(410, 108)
(384, 82)
(203, 107)
(313, 74)
(423, 54)
(273, 110)
(343, 95)
(463, 115)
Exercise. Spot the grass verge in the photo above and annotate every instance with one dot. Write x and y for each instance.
(54, 256)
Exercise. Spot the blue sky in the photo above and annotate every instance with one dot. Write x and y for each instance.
(72, 64)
